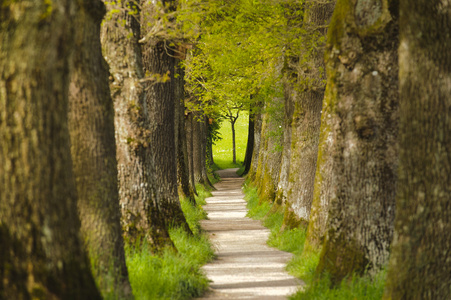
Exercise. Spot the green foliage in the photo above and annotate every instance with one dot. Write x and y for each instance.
(171, 275)
(239, 48)
(222, 149)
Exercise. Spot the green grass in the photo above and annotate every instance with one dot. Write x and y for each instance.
(359, 288)
(172, 275)
(222, 150)
(287, 240)
(303, 264)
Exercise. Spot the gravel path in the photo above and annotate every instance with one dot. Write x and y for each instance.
(245, 267)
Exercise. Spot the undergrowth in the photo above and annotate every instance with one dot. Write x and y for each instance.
(303, 263)
(171, 275)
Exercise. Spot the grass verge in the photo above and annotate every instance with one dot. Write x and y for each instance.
(172, 275)
(304, 263)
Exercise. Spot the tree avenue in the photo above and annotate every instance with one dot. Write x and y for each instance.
(109, 110)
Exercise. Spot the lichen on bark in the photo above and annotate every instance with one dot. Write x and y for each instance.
(361, 106)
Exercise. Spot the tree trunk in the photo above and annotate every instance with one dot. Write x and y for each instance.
(322, 188)
(232, 123)
(270, 157)
(183, 181)
(41, 253)
(204, 139)
(250, 144)
(159, 59)
(420, 265)
(91, 127)
(362, 97)
(199, 132)
(140, 216)
(257, 144)
(197, 148)
(189, 142)
(282, 184)
(210, 160)
(307, 113)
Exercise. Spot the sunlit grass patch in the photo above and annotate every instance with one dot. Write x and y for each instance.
(255, 211)
(355, 287)
(223, 149)
(202, 194)
(170, 274)
(303, 265)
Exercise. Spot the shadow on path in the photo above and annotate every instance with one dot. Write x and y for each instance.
(245, 267)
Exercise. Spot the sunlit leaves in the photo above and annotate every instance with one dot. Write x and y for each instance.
(240, 49)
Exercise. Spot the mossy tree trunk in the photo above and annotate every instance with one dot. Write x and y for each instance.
(203, 157)
(41, 253)
(196, 131)
(184, 187)
(306, 120)
(361, 60)
(93, 149)
(420, 264)
(282, 184)
(199, 134)
(270, 152)
(159, 60)
(317, 18)
(141, 218)
(210, 141)
(257, 143)
(190, 147)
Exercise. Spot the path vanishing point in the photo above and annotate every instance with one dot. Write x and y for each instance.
(245, 267)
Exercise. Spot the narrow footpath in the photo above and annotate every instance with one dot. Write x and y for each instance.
(245, 267)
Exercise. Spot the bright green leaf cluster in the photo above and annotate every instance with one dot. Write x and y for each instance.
(239, 49)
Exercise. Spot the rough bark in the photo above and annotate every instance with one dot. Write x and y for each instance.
(420, 264)
(210, 159)
(199, 133)
(41, 253)
(189, 141)
(159, 59)
(257, 144)
(203, 157)
(250, 144)
(196, 131)
(91, 127)
(183, 181)
(362, 98)
(270, 157)
(140, 215)
(289, 96)
(232, 124)
(306, 118)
